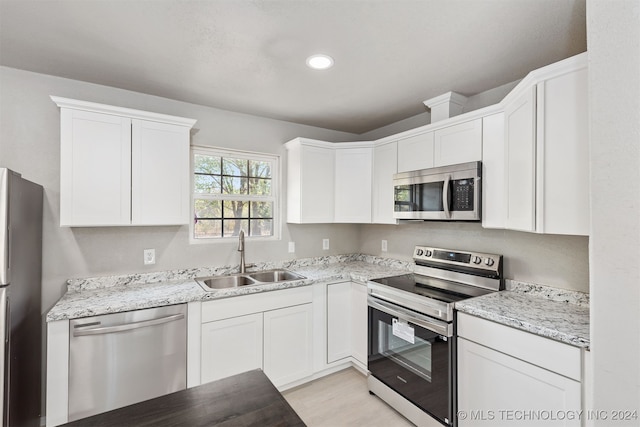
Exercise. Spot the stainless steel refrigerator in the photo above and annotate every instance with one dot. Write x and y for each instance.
(20, 295)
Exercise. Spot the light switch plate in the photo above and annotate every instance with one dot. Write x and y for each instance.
(292, 247)
(384, 246)
(149, 256)
(325, 244)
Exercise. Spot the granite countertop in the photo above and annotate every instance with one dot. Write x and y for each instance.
(549, 312)
(114, 294)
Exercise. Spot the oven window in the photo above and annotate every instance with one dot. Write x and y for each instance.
(414, 356)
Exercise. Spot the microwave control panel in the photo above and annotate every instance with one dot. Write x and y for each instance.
(462, 193)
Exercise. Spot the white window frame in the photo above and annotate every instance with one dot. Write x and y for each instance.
(275, 191)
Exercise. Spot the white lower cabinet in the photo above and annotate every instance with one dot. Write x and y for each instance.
(347, 322)
(231, 346)
(359, 322)
(509, 377)
(272, 331)
(288, 344)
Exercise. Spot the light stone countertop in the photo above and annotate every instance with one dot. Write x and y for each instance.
(549, 312)
(114, 294)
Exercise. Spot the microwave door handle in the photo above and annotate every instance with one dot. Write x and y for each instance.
(445, 196)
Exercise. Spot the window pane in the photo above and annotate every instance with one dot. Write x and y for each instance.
(262, 227)
(259, 187)
(261, 209)
(259, 169)
(208, 208)
(207, 228)
(207, 164)
(232, 227)
(235, 167)
(207, 184)
(236, 209)
(231, 185)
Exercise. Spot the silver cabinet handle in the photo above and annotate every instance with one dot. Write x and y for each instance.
(445, 196)
(4, 223)
(127, 326)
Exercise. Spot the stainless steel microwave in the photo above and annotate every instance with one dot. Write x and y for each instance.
(446, 193)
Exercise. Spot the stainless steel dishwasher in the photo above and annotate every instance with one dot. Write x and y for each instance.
(119, 359)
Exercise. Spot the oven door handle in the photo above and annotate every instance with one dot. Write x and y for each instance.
(440, 328)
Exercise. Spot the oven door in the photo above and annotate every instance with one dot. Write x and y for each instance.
(413, 355)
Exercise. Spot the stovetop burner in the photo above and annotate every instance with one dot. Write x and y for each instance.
(441, 277)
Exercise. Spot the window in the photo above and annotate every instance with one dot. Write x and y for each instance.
(233, 191)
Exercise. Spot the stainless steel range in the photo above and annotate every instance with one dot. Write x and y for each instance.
(412, 342)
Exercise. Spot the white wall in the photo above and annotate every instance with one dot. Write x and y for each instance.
(559, 261)
(30, 144)
(613, 40)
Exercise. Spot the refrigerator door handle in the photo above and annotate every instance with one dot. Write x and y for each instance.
(4, 226)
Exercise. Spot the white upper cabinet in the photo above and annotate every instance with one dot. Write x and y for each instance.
(328, 182)
(353, 184)
(493, 172)
(544, 152)
(460, 143)
(563, 154)
(415, 152)
(385, 165)
(160, 173)
(520, 154)
(122, 167)
(95, 169)
(310, 181)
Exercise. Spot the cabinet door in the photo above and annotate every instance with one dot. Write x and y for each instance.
(563, 155)
(288, 344)
(95, 169)
(520, 146)
(493, 172)
(415, 152)
(310, 184)
(490, 384)
(353, 185)
(338, 321)
(159, 173)
(458, 144)
(359, 322)
(230, 346)
(385, 165)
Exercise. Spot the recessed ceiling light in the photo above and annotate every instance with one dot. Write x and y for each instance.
(320, 62)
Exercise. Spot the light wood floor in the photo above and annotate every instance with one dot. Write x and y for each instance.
(342, 399)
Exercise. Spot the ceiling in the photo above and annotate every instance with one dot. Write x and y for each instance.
(249, 55)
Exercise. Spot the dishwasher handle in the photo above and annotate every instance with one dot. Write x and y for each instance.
(127, 326)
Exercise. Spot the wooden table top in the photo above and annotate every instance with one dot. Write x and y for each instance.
(247, 399)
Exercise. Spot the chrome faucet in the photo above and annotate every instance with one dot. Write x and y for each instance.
(241, 250)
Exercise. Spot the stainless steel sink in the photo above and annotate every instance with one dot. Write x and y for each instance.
(248, 279)
(271, 276)
(222, 282)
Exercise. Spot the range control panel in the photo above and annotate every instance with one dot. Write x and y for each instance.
(429, 255)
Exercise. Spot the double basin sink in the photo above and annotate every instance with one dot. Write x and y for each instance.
(248, 279)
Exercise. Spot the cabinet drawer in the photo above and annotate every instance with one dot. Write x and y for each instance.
(555, 356)
(246, 304)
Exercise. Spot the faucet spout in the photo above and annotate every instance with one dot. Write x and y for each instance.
(241, 250)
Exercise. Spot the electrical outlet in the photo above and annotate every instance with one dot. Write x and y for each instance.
(384, 246)
(325, 244)
(149, 256)
(292, 247)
